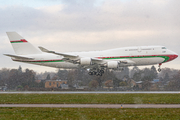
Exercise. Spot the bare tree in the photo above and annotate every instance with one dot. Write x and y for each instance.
(93, 84)
(109, 83)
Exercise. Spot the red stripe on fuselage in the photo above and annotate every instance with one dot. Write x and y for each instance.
(171, 57)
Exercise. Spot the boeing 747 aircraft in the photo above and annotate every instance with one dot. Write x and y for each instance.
(95, 61)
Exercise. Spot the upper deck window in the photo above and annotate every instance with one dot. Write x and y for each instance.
(163, 47)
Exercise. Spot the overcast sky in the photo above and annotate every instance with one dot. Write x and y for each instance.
(84, 25)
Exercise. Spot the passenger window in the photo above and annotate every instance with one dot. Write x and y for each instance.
(163, 47)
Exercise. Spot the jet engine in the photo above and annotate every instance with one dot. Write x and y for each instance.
(85, 61)
(112, 64)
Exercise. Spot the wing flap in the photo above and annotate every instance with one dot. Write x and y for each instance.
(127, 61)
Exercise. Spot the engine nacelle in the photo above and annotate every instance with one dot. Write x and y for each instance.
(85, 61)
(112, 64)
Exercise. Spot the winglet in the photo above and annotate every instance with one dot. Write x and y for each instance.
(45, 50)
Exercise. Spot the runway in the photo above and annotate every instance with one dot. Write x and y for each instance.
(93, 105)
(90, 92)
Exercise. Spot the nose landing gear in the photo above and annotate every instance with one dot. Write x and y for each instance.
(159, 69)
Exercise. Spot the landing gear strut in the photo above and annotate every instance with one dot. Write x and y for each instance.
(159, 69)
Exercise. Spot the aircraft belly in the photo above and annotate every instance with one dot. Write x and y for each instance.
(55, 64)
(148, 61)
(60, 65)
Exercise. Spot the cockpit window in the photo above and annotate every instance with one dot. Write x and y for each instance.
(163, 47)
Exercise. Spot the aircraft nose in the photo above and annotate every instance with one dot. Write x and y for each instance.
(173, 56)
(176, 55)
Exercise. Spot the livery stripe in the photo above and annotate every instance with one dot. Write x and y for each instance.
(46, 61)
(18, 41)
(166, 58)
(40, 61)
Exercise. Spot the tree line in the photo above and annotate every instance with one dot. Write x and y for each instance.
(18, 78)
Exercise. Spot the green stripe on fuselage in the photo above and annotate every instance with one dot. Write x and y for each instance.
(45, 61)
(166, 58)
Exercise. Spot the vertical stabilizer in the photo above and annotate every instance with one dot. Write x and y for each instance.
(20, 45)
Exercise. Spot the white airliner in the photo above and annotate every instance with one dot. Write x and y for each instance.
(95, 61)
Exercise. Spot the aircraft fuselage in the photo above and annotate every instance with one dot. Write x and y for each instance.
(144, 55)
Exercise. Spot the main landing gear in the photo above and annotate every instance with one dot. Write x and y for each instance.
(97, 72)
(159, 69)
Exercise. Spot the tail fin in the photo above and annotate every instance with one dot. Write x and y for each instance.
(20, 45)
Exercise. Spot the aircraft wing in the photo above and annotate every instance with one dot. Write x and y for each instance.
(93, 62)
(19, 57)
(62, 54)
(69, 57)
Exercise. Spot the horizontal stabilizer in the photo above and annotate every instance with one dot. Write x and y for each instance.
(19, 57)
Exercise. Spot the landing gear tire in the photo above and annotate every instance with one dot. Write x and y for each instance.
(90, 73)
(98, 72)
(94, 72)
(159, 70)
(102, 71)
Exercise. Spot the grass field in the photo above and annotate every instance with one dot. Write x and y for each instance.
(90, 98)
(87, 113)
